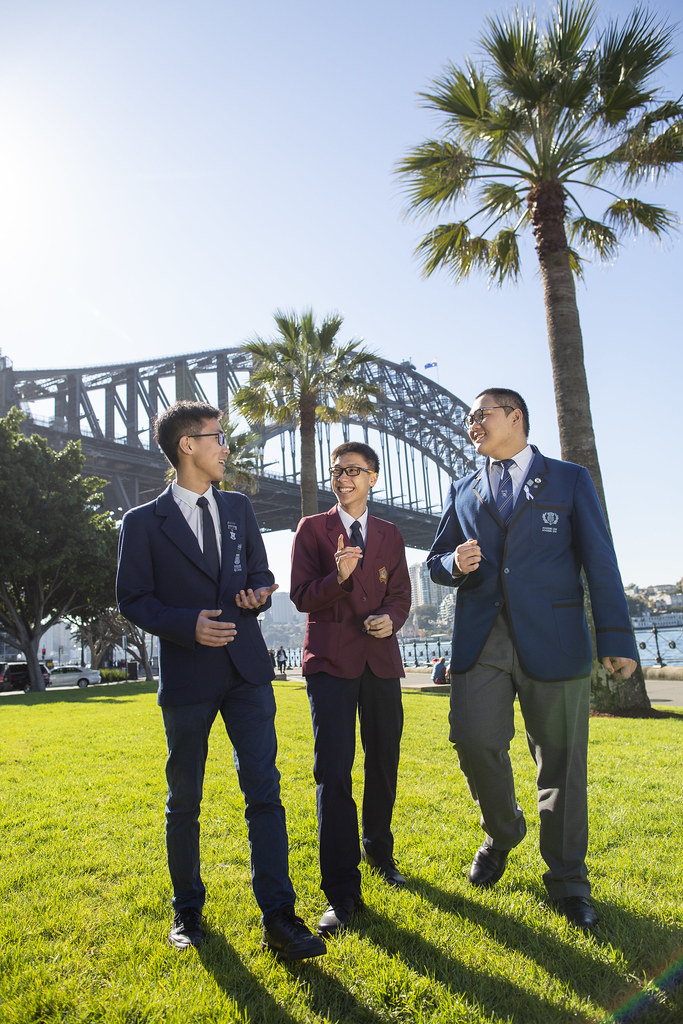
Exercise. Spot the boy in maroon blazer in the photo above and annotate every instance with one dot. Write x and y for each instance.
(349, 575)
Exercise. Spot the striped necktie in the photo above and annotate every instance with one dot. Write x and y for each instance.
(504, 502)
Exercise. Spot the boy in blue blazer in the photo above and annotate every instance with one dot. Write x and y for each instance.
(513, 540)
(193, 571)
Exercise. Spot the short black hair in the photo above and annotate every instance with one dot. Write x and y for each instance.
(179, 419)
(505, 396)
(358, 448)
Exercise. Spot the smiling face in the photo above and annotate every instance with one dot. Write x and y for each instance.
(352, 491)
(501, 434)
(202, 458)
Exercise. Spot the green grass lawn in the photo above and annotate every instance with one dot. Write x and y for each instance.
(86, 902)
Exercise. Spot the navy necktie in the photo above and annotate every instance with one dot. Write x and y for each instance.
(209, 532)
(504, 502)
(357, 535)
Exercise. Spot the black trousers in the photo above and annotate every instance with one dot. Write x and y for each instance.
(334, 704)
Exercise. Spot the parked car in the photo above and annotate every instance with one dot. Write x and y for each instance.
(74, 675)
(14, 675)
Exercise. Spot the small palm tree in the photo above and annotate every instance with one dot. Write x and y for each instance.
(550, 121)
(301, 376)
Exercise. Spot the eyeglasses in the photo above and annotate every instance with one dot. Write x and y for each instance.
(218, 434)
(338, 471)
(478, 416)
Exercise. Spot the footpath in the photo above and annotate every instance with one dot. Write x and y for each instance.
(664, 685)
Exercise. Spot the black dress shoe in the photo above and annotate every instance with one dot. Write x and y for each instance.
(387, 870)
(287, 936)
(337, 916)
(578, 910)
(488, 866)
(187, 928)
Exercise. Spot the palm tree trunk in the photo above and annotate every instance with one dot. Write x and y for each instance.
(309, 480)
(572, 400)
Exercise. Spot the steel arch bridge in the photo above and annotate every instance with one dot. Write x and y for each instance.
(416, 426)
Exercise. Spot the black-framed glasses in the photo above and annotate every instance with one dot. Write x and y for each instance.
(218, 434)
(338, 471)
(479, 414)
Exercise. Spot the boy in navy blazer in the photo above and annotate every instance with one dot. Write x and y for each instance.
(513, 540)
(193, 571)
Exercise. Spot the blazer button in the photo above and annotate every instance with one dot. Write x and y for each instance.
(363, 599)
(506, 570)
(496, 604)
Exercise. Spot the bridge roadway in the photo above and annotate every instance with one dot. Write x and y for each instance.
(277, 503)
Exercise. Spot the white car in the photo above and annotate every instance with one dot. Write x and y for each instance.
(74, 675)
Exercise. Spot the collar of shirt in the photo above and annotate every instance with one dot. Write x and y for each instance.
(518, 472)
(348, 521)
(187, 503)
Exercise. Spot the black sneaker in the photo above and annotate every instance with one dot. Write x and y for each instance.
(287, 936)
(187, 928)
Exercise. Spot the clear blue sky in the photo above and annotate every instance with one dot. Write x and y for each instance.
(172, 172)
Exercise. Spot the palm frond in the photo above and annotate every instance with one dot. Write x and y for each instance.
(503, 257)
(460, 95)
(633, 214)
(500, 198)
(452, 247)
(567, 32)
(513, 45)
(576, 264)
(596, 235)
(628, 58)
(437, 173)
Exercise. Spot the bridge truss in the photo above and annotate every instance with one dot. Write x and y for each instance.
(416, 426)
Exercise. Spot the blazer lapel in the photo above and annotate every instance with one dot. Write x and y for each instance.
(481, 485)
(178, 531)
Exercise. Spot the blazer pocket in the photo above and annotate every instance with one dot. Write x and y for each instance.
(570, 620)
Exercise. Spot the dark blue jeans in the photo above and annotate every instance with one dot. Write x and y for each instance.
(248, 712)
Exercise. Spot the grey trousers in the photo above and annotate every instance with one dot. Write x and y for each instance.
(556, 718)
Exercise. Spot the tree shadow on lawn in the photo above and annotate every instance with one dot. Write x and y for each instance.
(631, 934)
(100, 693)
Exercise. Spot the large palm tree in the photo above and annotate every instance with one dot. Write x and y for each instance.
(301, 376)
(550, 121)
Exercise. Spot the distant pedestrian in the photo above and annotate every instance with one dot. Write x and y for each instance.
(281, 660)
(439, 671)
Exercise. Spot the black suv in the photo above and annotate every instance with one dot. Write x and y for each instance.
(14, 675)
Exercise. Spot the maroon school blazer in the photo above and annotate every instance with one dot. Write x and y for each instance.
(380, 584)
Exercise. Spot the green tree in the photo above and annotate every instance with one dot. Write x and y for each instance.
(58, 549)
(301, 376)
(550, 121)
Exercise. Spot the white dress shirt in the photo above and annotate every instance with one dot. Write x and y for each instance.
(192, 513)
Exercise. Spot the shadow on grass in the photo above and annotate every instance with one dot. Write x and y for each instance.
(631, 934)
(324, 993)
(102, 693)
(238, 983)
(488, 992)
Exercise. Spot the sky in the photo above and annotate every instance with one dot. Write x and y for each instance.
(171, 173)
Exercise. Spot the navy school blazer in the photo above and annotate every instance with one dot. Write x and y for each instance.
(534, 569)
(163, 582)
